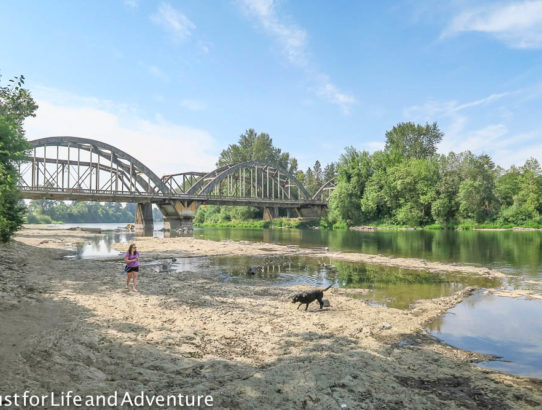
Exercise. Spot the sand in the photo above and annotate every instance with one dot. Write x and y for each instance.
(70, 325)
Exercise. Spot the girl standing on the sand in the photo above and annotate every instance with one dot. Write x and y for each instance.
(132, 263)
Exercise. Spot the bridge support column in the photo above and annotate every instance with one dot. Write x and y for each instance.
(143, 219)
(270, 212)
(178, 216)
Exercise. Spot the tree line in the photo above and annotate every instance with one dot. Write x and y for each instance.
(408, 183)
(47, 211)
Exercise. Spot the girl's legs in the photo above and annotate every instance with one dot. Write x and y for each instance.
(128, 277)
(134, 282)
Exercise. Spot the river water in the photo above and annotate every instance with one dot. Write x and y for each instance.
(505, 327)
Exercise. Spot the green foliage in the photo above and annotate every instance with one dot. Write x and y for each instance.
(16, 104)
(409, 140)
(407, 184)
(45, 211)
(353, 171)
(250, 147)
(256, 147)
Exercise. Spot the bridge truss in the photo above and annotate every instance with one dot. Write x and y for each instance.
(82, 169)
(85, 169)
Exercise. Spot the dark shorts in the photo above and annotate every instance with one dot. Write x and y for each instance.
(136, 269)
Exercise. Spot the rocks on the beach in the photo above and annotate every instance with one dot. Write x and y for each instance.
(81, 229)
(362, 228)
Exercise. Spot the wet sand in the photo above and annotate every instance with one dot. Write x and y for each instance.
(70, 325)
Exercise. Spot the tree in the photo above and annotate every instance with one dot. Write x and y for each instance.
(354, 170)
(476, 194)
(330, 171)
(251, 146)
(256, 147)
(16, 104)
(520, 191)
(411, 140)
(446, 206)
(414, 190)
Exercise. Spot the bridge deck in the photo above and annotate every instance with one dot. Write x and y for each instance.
(60, 194)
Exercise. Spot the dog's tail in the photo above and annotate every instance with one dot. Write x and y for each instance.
(327, 288)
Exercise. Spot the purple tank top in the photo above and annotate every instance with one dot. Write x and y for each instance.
(134, 264)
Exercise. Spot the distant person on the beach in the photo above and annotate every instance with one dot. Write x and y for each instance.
(132, 263)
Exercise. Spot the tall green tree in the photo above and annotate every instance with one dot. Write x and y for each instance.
(256, 147)
(16, 104)
(476, 196)
(330, 171)
(520, 192)
(445, 207)
(409, 140)
(354, 169)
(251, 146)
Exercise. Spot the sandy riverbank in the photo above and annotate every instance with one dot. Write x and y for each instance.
(69, 325)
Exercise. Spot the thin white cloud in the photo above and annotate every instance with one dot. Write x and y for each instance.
(432, 109)
(482, 140)
(292, 38)
(293, 41)
(193, 105)
(132, 3)
(173, 21)
(158, 73)
(495, 138)
(163, 146)
(331, 93)
(517, 24)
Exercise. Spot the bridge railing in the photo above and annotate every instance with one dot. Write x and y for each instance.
(125, 196)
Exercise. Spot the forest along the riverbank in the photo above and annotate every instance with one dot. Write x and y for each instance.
(189, 333)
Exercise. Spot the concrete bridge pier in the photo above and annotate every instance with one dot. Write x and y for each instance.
(269, 213)
(143, 219)
(179, 216)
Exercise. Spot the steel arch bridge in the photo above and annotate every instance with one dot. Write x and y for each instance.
(82, 169)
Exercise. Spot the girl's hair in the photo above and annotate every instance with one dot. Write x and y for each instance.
(130, 249)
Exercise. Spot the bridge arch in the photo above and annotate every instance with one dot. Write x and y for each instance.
(104, 168)
(264, 179)
(328, 187)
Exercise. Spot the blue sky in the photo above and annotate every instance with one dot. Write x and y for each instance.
(175, 82)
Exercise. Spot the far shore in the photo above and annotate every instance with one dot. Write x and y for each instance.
(70, 325)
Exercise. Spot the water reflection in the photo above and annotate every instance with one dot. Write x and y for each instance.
(387, 286)
(510, 251)
(505, 327)
(100, 247)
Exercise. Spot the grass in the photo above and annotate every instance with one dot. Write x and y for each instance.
(299, 223)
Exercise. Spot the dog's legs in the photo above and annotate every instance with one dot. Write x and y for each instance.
(299, 305)
(321, 303)
(306, 307)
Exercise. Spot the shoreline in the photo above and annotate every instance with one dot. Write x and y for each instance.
(247, 346)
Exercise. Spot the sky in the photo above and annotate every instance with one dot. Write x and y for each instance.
(174, 83)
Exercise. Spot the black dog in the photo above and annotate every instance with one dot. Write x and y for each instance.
(309, 297)
(253, 270)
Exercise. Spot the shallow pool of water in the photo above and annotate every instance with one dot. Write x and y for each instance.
(101, 247)
(505, 327)
(386, 286)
